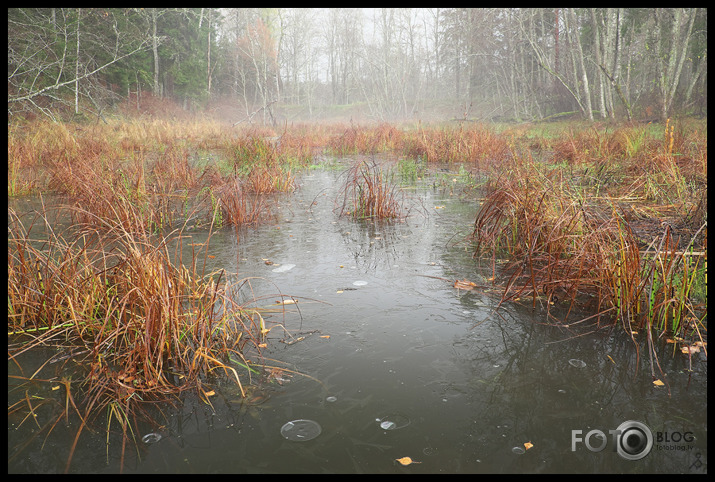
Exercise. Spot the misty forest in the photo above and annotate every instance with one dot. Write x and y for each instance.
(485, 64)
(356, 240)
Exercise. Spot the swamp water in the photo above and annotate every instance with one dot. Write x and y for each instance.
(399, 363)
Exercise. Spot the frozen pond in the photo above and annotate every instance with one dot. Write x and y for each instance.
(399, 363)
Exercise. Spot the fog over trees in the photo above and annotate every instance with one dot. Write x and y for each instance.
(480, 64)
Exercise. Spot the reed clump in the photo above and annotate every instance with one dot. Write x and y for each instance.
(173, 171)
(120, 193)
(164, 150)
(534, 218)
(478, 145)
(368, 193)
(236, 205)
(564, 243)
(365, 140)
(658, 163)
(249, 152)
(266, 180)
(150, 169)
(303, 141)
(137, 324)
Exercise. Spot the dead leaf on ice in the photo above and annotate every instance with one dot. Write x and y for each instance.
(689, 350)
(407, 461)
(286, 302)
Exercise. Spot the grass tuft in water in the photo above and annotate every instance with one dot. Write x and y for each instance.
(137, 325)
(367, 193)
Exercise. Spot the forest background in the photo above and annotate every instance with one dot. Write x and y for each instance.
(279, 65)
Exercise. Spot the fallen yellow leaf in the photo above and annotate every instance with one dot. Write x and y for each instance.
(56, 388)
(658, 383)
(325, 336)
(690, 349)
(210, 393)
(528, 445)
(407, 461)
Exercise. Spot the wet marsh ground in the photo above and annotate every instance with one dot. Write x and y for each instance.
(459, 332)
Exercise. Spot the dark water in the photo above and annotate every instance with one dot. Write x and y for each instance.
(412, 367)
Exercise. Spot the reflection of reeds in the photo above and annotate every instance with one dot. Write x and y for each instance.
(367, 194)
(141, 326)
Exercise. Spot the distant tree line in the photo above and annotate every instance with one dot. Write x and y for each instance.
(496, 63)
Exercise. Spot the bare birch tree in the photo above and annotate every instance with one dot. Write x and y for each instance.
(678, 31)
(41, 51)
